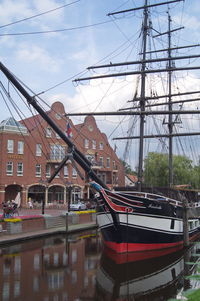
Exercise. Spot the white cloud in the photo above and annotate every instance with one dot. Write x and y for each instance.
(41, 57)
(46, 5)
(100, 96)
(11, 10)
(7, 41)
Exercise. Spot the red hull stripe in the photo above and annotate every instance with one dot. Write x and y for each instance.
(120, 258)
(135, 247)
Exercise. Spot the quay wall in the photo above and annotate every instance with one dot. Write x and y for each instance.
(26, 224)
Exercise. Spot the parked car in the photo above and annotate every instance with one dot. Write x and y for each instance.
(91, 205)
(78, 206)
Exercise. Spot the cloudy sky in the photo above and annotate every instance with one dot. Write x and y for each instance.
(47, 44)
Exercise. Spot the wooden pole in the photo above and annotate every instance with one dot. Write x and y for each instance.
(67, 222)
(185, 222)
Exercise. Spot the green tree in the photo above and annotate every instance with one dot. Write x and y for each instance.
(196, 176)
(156, 171)
(127, 168)
(182, 170)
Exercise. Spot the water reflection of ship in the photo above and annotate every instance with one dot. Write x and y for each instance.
(144, 280)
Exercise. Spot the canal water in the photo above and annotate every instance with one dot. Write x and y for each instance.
(77, 268)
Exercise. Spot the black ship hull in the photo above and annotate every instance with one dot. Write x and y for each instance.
(142, 222)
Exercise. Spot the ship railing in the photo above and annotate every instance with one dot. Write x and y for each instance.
(155, 197)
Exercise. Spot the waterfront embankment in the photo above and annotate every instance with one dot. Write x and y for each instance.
(34, 225)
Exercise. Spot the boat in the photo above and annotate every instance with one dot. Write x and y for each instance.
(140, 221)
(149, 219)
(147, 279)
(146, 219)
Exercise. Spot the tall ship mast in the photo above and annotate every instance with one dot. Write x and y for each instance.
(144, 97)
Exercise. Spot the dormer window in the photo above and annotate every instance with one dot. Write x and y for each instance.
(101, 145)
(86, 143)
(108, 162)
(48, 170)
(74, 173)
(101, 161)
(94, 144)
(48, 132)
(66, 171)
(38, 149)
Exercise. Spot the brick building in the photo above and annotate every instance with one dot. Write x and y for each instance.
(31, 151)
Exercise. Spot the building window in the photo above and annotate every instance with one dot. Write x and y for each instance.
(48, 170)
(101, 161)
(46, 259)
(58, 174)
(9, 168)
(10, 146)
(108, 162)
(66, 172)
(86, 143)
(55, 259)
(6, 291)
(6, 270)
(20, 148)
(74, 276)
(114, 179)
(57, 152)
(64, 258)
(17, 265)
(101, 145)
(76, 194)
(74, 173)
(74, 256)
(38, 149)
(17, 288)
(20, 169)
(38, 170)
(36, 262)
(102, 177)
(114, 165)
(94, 144)
(48, 132)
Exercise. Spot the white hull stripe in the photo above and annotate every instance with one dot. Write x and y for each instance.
(145, 223)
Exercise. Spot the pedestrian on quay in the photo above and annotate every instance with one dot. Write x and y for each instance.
(30, 204)
(9, 204)
(14, 208)
(4, 207)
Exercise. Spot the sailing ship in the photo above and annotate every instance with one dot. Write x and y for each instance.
(149, 219)
(139, 220)
(149, 279)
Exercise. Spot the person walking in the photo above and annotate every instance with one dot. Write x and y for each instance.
(30, 204)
